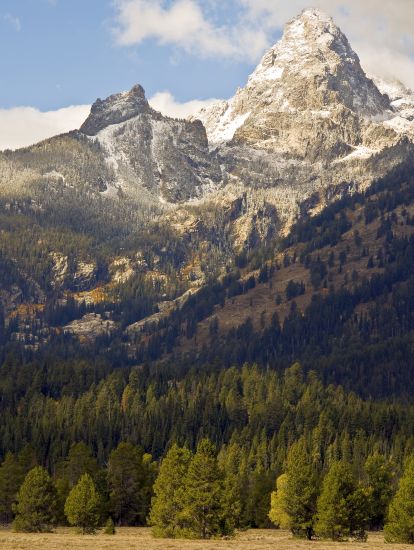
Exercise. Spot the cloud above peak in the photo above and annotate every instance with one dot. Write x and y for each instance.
(12, 21)
(184, 24)
(377, 30)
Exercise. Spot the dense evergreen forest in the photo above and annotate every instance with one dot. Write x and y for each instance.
(253, 416)
(214, 444)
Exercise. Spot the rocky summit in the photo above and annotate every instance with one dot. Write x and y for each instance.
(309, 124)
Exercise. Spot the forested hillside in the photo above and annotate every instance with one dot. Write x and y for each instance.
(254, 416)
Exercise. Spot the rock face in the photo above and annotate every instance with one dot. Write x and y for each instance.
(309, 125)
(115, 109)
(90, 326)
(154, 158)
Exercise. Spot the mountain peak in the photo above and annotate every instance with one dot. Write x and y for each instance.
(313, 66)
(311, 45)
(115, 109)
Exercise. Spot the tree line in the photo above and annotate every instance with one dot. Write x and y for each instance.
(202, 494)
(253, 416)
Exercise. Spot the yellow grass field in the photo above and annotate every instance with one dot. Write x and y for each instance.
(141, 539)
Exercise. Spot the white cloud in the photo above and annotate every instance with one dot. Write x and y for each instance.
(13, 21)
(380, 31)
(22, 126)
(169, 106)
(184, 24)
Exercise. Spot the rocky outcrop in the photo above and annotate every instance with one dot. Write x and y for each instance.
(59, 269)
(85, 275)
(115, 109)
(90, 326)
(156, 159)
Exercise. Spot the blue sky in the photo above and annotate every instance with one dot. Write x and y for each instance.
(65, 53)
(61, 53)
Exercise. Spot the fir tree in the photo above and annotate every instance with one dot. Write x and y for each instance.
(12, 473)
(300, 490)
(380, 487)
(26, 459)
(203, 512)
(130, 477)
(342, 507)
(62, 492)
(232, 505)
(36, 503)
(83, 505)
(80, 461)
(400, 524)
(11, 477)
(110, 527)
(168, 500)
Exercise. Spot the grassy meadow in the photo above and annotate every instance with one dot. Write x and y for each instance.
(129, 538)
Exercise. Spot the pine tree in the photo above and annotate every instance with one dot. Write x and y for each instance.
(277, 513)
(83, 505)
(400, 524)
(128, 477)
(12, 473)
(26, 459)
(300, 490)
(80, 461)
(203, 512)
(236, 488)
(36, 503)
(342, 506)
(168, 500)
(11, 477)
(62, 492)
(232, 506)
(380, 487)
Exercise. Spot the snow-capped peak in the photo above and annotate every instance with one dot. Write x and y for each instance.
(311, 45)
(312, 71)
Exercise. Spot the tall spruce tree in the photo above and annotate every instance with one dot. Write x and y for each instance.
(203, 511)
(342, 506)
(400, 524)
(130, 478)
(83, 505)
(300, 490)
(11, 477)
(380, 478)
(36, 503)
(12, 473)
(168, 500)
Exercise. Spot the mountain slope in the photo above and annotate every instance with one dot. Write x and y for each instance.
(130, 221)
